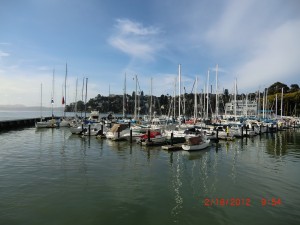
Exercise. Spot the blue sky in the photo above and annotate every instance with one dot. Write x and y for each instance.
(255, 41)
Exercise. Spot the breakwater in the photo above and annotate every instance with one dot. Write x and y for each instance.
(18, 123)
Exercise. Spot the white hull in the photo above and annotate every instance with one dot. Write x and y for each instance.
(201, 146)
(77, 130)
(46, 124)
(135, 135)
(95, 129)
(41, 124)
(64, 123)
(154, 141)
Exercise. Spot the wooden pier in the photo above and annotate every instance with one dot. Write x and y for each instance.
(174, 147)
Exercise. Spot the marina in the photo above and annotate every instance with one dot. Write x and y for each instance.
(149, 112)
(89, 180)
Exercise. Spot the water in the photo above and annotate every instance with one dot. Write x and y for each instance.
(52, 177)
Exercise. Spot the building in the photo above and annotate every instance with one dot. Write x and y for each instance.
(243, 108)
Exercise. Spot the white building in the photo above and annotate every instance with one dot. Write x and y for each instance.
(243, 108)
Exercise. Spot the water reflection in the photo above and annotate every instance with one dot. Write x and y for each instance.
(90, 173)
(195, 154)
(215, 171)
(177, 186)
(277, 146)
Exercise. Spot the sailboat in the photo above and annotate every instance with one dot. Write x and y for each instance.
(64, 122)
(42, 123)
(198, 142)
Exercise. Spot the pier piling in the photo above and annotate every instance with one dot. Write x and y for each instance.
(149, 135)
(130, 135)
(242, 132)
(260, 129)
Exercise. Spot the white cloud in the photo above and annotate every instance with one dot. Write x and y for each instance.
(133, 48)
(231, 29)
(276, 58)
(3, 54)
(136, 40)
(261, 46)
(19, 86)
(126, 27)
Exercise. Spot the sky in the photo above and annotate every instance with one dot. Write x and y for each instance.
(255, 42)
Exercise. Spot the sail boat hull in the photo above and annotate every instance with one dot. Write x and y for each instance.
(46, 124)
(195, 147)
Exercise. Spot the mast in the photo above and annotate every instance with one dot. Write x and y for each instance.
(204, 101)
(52, 98)
(246, 105)
(276, 106)
(150, 111)
(264, 103)
(65, 100)
(85, 97)
(82, 90)
(235, 92)
(135, 98)
(184, 101)
(41, 101)
(75, 109)
(195, 101)
(217, 96)
(267, 103)
(179, 89)
(281, 103)
(124, 98)
(62, 101)
(207, 96)
(174, 98)
(139, 101)
(258, 103)
(108, 97)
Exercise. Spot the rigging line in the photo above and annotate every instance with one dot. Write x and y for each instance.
(193, 86)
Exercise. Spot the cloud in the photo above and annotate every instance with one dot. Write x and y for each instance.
(135, 39)
(126, 27)
(4, 54)
(276, 57)
(19, 86)
(265, 42)
(231, 30)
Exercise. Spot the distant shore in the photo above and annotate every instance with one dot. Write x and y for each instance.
(28, 108)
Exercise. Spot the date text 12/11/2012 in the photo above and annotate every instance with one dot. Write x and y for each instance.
(236, 202)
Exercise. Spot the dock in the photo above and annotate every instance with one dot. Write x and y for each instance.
(174, 147)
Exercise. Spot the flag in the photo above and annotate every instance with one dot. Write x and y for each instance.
(63, 101)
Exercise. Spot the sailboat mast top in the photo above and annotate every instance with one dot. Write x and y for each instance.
(207, 95)
(179, 90)
(217, 97)
(85, 97)
(65, 99)
(124, 98)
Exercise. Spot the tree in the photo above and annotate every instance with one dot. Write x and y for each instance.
(294, 88)
(276, 88)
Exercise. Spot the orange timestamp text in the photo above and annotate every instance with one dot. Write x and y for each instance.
(236, 202)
